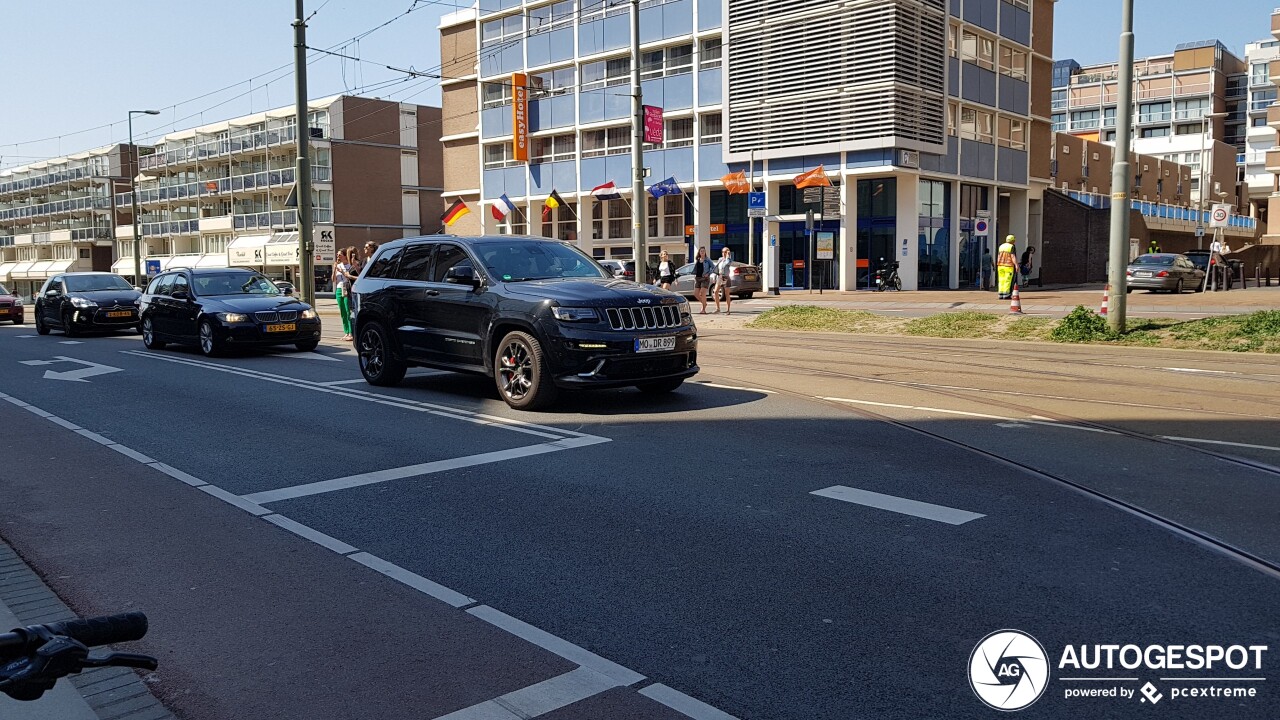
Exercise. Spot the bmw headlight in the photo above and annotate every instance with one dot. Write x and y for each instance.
(82, 302)
(574, 314)
(308, 314)
(233, 317)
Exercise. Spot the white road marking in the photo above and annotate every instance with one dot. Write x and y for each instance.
(400, 473)
(89, 370)
(892, 503)
(413, 580)
(538, 699)
(311, 534)
(704, 383)
(232, 499)
(1220, 442)
(25, 336)
(557, 645)
(303, 356)
(1199, 370)
(1004, 421)
(513, 425)
(70, 342)
(684, 704)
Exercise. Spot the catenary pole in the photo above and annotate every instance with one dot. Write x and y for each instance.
(302, 173)
(639, 203)
(1119, 255)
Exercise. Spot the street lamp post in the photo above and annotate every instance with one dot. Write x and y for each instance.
(133, 193)
(1120, 180)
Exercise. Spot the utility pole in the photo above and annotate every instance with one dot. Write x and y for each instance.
(1119, 255)
(302, 174)
(639, 203)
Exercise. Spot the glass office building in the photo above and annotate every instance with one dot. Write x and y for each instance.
(925, 115)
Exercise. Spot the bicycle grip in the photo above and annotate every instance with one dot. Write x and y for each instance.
(106, 630)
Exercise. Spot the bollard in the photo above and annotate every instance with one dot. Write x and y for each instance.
(1257, 275)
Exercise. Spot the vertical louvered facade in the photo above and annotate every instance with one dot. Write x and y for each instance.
(831, 76)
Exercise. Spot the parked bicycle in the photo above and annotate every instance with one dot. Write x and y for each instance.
(34, 658)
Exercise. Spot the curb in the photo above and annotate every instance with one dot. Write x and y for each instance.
(110, 693)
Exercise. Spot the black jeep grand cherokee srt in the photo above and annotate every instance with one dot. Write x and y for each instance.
(537, 315)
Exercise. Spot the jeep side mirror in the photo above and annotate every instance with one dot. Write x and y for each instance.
(51, 293)
(461, 275)
(179, 295)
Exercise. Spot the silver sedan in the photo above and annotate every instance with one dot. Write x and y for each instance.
(744, 280)
(1164, 271)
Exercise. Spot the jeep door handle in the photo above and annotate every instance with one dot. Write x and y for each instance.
(432, 293)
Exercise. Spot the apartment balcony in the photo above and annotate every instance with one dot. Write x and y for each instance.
(248, 182)
(1273, 161)
(1275, 23)
(1273, 72)
(249, 143)
(171, 227)
(1273, 117)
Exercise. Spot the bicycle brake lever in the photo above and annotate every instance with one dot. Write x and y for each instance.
(57, 658)
(133, 660)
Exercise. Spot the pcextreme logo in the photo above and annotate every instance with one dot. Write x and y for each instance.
(1009, 670)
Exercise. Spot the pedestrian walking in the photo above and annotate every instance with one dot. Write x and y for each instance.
(342, 278)
(1025, 264)
(1154, 247)
(723, 265)
(988, 265)
(703, 271)
(666, 271)
(1006, 265)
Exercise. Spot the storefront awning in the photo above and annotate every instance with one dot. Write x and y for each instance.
(19, 271)
(5, 269)
(179, 261)
(218, 260)
(247, 250)
(57, 266)
(123, 266)
(38, 270)
(283, 249)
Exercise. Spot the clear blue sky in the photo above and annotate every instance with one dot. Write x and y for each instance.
(194, 61)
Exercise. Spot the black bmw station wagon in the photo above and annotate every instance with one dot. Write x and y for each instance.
(537, 315)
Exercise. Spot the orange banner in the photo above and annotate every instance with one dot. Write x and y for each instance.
(816, 177)
(520, 117)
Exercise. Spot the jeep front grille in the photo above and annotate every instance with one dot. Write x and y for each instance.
(644, 318)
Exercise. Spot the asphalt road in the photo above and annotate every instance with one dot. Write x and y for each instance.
(309, 546)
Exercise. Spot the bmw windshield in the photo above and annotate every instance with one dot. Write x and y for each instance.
(233, 283)
(530, 260)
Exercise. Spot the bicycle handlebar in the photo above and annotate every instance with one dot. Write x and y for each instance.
(106, 630)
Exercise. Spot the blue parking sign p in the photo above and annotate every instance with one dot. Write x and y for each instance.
(755, 200)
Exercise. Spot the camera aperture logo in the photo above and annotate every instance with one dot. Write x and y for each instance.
(1008, 670)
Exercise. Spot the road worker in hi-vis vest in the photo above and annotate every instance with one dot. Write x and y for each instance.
(1006, 266)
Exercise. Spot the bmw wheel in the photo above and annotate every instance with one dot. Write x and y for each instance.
(149, 340)
(377, 363)
(521, 374)
(210, 345)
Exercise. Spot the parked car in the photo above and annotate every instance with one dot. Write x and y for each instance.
(220, 308)
(284, 286)
(536, 315)
(744, 280)
(1164, 271)
(11, 307)
(621, 269)
(79, 301)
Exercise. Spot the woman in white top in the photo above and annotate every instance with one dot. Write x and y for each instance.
(342, 291)
(723, 265)
(666, 271)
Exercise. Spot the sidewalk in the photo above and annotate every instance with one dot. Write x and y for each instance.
(99, 694)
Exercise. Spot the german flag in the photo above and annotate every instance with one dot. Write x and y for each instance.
(455, 211)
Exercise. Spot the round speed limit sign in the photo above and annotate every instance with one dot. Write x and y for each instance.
(1219, 214)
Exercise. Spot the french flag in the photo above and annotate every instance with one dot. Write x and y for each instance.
(607, 191)
(502, 207)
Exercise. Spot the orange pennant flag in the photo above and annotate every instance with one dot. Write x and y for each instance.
(816, 177)
(736, 183)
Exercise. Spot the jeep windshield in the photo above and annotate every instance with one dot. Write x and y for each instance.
(530, 260)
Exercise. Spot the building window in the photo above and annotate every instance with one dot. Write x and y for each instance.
(556, 148)
(1109, 136)
(495, 94)
(1013, 133)
(953, 119)
(1059, 121)
(1109, 117)
(85, 253)
(679, 133)
(1154, 132)
(606, 73)
(710, 52)
(953, 40)
(1154, 112)
(502, 30)
(978, 49)
(1259, 122)
(1084, 119)
(1190, 109)
(549, 17)
(666, 61)
(1013, 62)
(976, 125)
(1059, 99)
(712, 129)
(1194, 129)
(666, 214)
(498, 155)
(607, 141)
(1259, 74)
(551, 82)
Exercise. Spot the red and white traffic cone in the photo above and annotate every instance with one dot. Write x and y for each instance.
(1015, 305)
(1106, 295)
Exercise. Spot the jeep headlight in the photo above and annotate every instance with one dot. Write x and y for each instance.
(83, 302)
(233, 317)
(686, 313)
(575, 314)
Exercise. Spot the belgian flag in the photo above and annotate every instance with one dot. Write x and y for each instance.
(455, 211)
(551, 203)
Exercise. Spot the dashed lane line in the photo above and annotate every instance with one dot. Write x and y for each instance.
(900, 505)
